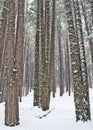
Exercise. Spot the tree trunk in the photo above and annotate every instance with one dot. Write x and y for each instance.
(80, 41)
(3, 31)
(68, 69)
(87, 29)
(11, 99)
(52, 47)
(60, 60)
(82, 107)
(36, 76)
(46, 86)
(19, 44)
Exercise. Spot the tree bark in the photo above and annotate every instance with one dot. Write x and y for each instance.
(19, 44)
(36, 76)
(82, 107)
(46, 86)
(11, 97)
(3, 31)
(52, 47)
(60, 59)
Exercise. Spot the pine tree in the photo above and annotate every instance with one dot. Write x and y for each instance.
(36, 76)
(80, 41)
(52, 47)
(46, 86)
(20, 44)
(59, 33)
(11, 97)
(3, 31)
(82, 107)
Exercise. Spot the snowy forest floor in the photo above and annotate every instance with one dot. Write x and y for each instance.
(60, 116)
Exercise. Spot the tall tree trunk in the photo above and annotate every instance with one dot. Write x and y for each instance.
(19, 44)
(87, 29)
(42, 52)
(60, 60)
(46, 87)
(52, 47)
(11, 99)
(82, 107)
(36, 76)
(68, 69)
(3, 30)
(80, 41)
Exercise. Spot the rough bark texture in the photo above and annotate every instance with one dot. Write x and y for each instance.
(19, 44)
(3, 30)
(68, 69)
(36, 76)
(60, 60)
(80, 96)
(11, 99)
(87, 28)
(42, 50)
(80, 41)
(52, 47)
(46, 87)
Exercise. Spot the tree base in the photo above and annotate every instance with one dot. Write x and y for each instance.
(12, 125)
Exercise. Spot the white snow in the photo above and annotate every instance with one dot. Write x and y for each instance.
(61, 117)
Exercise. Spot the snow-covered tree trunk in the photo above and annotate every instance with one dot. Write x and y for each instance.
(80, 41)
(83, 5)
(82, 108)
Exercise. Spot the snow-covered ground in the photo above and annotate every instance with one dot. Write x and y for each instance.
(61, 115)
